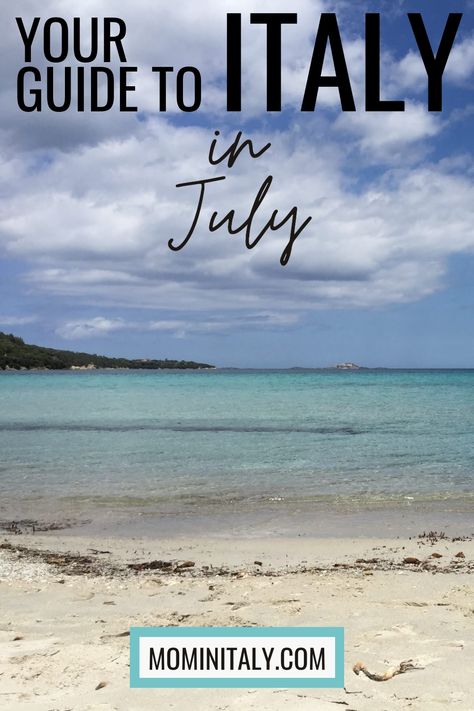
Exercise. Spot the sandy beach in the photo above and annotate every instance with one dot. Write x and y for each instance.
(67, 604)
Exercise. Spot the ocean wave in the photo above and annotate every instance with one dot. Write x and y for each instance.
(149, 427)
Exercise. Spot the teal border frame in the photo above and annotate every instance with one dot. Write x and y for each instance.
(248, 683)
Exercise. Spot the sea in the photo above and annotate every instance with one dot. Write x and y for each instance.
(238, 452)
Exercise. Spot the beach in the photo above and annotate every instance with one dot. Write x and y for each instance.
(68, 603)
(241, 499)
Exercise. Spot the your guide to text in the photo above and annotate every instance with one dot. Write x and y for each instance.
(81, 65)
(87, 70)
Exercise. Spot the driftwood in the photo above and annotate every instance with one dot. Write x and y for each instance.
(389, 674)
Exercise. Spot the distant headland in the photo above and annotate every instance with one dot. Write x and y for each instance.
(15, 354)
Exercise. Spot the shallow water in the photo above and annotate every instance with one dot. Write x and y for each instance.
(250, 443)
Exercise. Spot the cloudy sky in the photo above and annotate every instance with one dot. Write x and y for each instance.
(383, 274)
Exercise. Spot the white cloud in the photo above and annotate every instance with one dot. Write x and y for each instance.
(89, 203)
(98, 326)
(411, 72)
(94, 225)
(6, 321)
(191, 33)
(382, 135)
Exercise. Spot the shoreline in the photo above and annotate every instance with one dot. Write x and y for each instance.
(68, 604)
(284, 555)
(81, 518)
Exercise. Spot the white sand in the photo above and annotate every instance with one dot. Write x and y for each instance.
(68, 626)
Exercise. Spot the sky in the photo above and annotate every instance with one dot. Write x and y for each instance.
(381, 276)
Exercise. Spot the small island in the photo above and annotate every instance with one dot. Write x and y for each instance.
(15, 354)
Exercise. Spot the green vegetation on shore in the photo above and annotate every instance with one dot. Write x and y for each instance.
(15, 354)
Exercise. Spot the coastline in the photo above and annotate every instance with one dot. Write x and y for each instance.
(68, 603)
(127, 517)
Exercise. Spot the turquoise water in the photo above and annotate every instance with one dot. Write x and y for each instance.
(201, 442)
